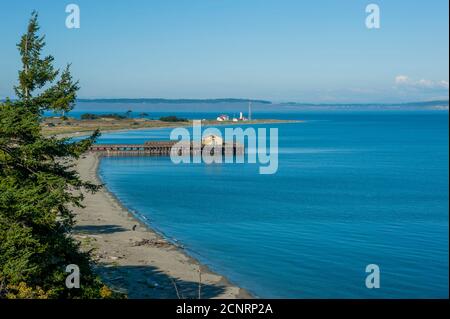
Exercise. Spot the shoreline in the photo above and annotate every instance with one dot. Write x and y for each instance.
(140, 262)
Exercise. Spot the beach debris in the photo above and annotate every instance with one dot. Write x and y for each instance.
(98, 257)
(115, 257)
(86, 236)
(152, 242)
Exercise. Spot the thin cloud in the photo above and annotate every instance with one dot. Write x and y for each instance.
(405, 81)
(401, 79)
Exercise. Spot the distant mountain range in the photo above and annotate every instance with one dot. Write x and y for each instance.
(428, 104)
(202, 103)
(174, 101)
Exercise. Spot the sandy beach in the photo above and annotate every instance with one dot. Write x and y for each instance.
(132, 258)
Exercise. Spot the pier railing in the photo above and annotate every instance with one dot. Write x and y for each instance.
(164, 148)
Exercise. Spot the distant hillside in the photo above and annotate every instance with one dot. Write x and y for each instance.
(173, 101)
(203, 103)
(429, 105)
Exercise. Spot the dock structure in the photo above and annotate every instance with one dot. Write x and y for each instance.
(164, 148)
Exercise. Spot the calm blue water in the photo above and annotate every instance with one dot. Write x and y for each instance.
(352, 189)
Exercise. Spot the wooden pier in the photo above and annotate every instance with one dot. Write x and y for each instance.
(164, 148)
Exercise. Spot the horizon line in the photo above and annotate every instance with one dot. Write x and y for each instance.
(266, 101)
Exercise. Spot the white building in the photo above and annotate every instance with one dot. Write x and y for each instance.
(212, 140)
(223, 117)
(242, 117)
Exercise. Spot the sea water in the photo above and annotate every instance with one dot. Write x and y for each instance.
(352, 189)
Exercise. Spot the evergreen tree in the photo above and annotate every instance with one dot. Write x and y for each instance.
(38, 183)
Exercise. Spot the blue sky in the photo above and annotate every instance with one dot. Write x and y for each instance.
(283, 50)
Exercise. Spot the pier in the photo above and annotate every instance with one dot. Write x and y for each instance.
(164, 148)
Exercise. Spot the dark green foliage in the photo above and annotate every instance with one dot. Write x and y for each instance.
(115, 116)
(38, 183)
(89, 116)
(172, 118)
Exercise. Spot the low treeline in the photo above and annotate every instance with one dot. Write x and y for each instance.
(172, 118)
(117, 116)
(90, 116)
